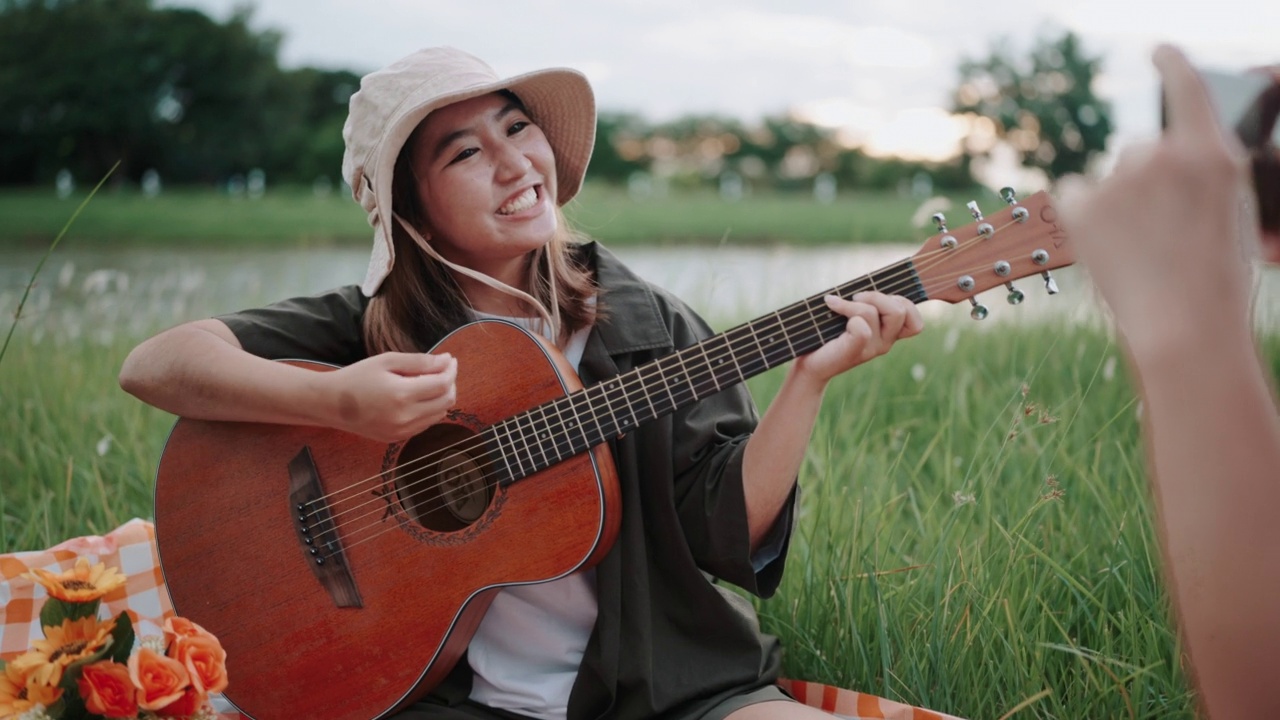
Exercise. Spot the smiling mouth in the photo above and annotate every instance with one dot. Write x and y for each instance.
(523, 201)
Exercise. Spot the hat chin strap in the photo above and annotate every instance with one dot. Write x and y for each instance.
(550, 319)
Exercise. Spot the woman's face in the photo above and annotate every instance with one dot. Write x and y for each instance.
(486, 179)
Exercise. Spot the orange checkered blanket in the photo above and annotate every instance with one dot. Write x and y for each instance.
(132, 548)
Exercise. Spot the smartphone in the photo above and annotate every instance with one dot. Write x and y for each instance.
(1248, 103)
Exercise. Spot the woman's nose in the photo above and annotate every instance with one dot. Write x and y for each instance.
(511, 161)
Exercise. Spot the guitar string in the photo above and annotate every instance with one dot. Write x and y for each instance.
(354, 536)
(915, 267)
(805, 307)
(485, 468)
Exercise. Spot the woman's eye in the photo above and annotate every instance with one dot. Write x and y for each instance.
(517, 126)
(464, 155)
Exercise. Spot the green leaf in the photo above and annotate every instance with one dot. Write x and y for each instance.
(122, 639)
(55, 611)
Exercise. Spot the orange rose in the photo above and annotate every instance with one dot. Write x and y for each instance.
(176, 627)
(160, 680)
(107, 689)
(204, 659)
(185, 706)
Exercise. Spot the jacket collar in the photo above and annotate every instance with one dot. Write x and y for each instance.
(632, 320)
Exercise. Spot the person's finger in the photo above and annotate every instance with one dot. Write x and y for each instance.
(892, 314)
(416, 363)
(1190, 110)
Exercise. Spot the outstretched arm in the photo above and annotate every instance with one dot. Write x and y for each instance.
(1169, 248)
(773, 454)
(199, 370)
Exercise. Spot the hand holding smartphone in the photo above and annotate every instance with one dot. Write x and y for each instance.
(1247, 105)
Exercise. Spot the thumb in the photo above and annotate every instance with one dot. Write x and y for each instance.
(417, 363)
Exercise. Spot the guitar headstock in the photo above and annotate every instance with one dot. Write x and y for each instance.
(1023, 239)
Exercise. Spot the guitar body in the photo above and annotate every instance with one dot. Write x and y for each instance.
(416, 560)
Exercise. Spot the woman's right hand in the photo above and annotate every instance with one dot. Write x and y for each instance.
(393, 396)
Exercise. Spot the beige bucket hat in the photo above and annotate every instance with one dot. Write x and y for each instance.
(391, 102)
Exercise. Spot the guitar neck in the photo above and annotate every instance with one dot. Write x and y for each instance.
(544, 435)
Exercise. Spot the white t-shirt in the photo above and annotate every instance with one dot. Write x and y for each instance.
(525, 655)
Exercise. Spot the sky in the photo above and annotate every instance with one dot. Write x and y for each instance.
(881, 70)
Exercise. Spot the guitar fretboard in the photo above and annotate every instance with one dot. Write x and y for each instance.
(544, 435)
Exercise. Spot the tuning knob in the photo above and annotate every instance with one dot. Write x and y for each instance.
(979, 311)
(1050, 284)
(1015, 296)
(1009, 195)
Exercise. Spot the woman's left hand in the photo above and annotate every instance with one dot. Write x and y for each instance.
(876, 322)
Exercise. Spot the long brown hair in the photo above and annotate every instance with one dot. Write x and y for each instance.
(420, 301)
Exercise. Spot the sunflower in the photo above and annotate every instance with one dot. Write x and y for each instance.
(19, 691)
(81, 584)
(74, 640)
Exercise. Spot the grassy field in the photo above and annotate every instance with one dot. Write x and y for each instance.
(976, 534)
(291, 217)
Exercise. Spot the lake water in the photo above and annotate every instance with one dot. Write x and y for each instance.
(102, 295)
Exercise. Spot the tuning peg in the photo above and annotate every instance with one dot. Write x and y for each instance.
(1049, 283)
(973, 210)
(1015, 296)
(947, 241)
(1020, 213)
(979, 311)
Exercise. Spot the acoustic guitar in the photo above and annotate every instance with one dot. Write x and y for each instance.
(345, 577)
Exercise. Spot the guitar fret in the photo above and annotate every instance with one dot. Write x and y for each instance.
(577, 419)
(532, 433)
(606, 388)
(693, 391)
(786, 335)
(665, 384)
(644, 391)
(764, 359)
(514, 451)
(632, 420)
(706, 359)
(542, 435)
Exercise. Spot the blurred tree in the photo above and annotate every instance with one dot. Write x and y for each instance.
(1044, 106)
(620, 147)
(88, 82)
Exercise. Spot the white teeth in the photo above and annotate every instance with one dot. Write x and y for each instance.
(524, 201)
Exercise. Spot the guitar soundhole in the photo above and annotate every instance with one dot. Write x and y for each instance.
(441, 480)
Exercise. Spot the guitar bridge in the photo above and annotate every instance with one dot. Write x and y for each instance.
(316, 532)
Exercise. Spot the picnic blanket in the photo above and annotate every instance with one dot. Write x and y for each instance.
(132, 548)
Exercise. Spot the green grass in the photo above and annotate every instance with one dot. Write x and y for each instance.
(292, 217)
(970, 541)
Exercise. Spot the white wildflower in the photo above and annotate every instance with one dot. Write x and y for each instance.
(35, 713)
(67, 273)
(918, 372)
(951, 340)
(1137, 410)
(154, 643)
(1109, 368)
(963, 498)
(104, 445)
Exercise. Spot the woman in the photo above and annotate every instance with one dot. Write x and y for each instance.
(462, 175)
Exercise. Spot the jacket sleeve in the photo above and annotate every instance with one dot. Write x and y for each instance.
(708, 442)
(321, 328)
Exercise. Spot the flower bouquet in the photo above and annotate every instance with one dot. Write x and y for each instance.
(91, 669)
